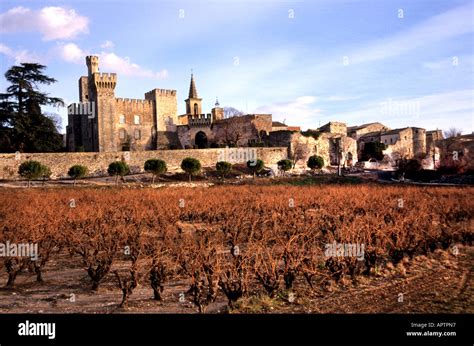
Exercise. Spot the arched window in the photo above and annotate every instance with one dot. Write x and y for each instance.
(122, 119)
(195, 108)
(137, 120)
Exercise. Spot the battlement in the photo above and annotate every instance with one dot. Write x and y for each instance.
(199, 119)
(150, 95)
(137, 101)
(105, 80)
(92, 58)
(199, 116)
(105, 77)
(92, 63)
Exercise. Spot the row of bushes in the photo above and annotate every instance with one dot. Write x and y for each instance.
(33, 170)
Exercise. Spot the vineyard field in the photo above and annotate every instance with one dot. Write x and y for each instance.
(240, 249)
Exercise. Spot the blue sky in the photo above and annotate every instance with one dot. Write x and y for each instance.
(403, 63)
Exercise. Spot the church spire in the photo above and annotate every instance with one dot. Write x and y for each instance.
(192, 89)
(193, 102)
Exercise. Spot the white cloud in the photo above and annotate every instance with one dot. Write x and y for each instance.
(20, 56)
(427, 111)
(435, 111)
(107, 45)
(337, 98)
(70, 52)
(447, 25)
(300, 111)
(450, 62)
(115, 63)
(109, 62)
(304, 100)
(52, 22)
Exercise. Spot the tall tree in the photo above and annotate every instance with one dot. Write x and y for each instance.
(230, 112)
(452, 132)
(23, 126)
(233, 127)
(373, 150)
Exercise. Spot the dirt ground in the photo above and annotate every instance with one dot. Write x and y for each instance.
(438, 283)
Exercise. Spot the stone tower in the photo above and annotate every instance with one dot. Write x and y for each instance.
(217, 112)
(101, 91)
(193, 102)
(92, 64)
(165, 117)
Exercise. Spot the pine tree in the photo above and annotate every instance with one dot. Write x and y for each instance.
(23, 127)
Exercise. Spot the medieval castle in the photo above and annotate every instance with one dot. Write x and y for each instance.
(121, 124)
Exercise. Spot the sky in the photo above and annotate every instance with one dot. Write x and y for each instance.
(399, 62)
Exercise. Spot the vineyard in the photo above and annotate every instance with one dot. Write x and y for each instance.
(194, 248)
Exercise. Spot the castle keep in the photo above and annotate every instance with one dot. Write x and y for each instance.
(101, 122)
(118, 124)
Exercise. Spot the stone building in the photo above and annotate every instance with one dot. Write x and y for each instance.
(457, 153)
(334, 127)
(203, 131)
(332, 144)
(102, 122)
(200, 130)
(408, 142)
(433, 139)
(358, 131)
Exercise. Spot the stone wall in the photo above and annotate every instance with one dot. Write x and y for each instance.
(98, 163)
(458, 152)
(302, 147)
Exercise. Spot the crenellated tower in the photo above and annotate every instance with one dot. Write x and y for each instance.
(120, 124)
(101, 92)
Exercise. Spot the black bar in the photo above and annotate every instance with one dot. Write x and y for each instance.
(239, 329)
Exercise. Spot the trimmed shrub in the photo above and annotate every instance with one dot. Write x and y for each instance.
(191, 166)
(118, 169)
(315, 162)
(156, 167)
(31, 170)
(285, 165)
(255, 166)
(77, 172)
(223, 167)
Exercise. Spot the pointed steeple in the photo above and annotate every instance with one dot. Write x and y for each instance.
(192, 89)
(193, 102)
